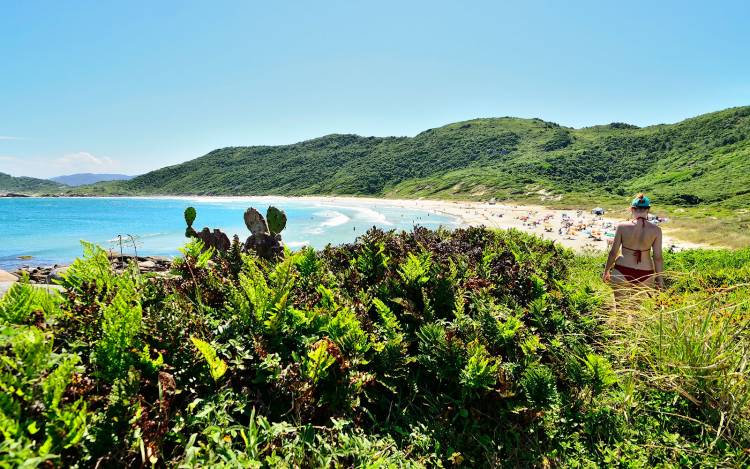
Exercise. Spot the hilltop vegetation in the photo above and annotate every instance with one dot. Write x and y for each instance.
(703, 160)
(27, 185)
(471, 348)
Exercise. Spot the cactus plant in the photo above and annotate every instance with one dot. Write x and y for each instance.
(265, 246)
(276, 220)
(190, 215)
(255, 221)
(216, 239)
(265, 239)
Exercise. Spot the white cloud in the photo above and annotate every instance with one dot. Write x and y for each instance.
(45, 167)
(86, 159)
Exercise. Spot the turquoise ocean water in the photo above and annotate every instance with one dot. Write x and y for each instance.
(50, 229)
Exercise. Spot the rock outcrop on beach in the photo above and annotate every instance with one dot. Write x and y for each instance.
(53, 273)
(13, 195)
(146, 264)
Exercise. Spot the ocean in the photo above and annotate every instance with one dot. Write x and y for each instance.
(49, 230)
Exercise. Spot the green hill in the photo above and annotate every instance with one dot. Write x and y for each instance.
(705, 159)
(27, 185)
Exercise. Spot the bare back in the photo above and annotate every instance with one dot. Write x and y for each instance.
(635, 259)
(636, 241)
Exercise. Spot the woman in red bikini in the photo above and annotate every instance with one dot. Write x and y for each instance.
(640, 263)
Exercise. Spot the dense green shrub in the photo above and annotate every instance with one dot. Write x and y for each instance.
(431, 348)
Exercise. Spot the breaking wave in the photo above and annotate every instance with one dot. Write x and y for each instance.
(334, 218)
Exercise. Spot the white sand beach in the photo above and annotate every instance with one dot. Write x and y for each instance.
(577, 229)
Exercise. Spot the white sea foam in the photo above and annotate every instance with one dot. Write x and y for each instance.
(372, 216)
(334, 218)
(365, 214)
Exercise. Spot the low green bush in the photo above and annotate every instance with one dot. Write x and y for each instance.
(471, 348)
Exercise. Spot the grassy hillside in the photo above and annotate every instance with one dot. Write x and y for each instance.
(705, 159)
(27, 185)
(471, 348)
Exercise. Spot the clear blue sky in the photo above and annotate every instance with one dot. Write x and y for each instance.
(135, 85)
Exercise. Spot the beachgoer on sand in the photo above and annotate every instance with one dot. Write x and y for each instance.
(640, 264)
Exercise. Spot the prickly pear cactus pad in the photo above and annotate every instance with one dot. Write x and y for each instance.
(276, 220)
(190, 215)
(255, 221)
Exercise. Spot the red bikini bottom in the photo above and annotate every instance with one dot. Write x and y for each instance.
(634, 275)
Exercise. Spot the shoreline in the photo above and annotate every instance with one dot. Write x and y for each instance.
(509, 216)
(472, 213)
(539, 220)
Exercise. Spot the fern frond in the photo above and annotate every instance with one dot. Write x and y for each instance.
(216, 365)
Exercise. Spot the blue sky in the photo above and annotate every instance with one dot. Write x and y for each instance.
(137, 85)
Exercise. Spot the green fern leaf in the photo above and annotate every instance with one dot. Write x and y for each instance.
(216, 365)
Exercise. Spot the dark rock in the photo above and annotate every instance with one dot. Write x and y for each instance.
(147, 265)
(51, 274)
(56, 274)
(160, 260)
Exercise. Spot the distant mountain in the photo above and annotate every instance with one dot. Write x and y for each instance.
(27, 185)
(81, 179)
(705, 159)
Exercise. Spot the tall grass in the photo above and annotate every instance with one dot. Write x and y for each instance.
(712, 226)
(693, 340)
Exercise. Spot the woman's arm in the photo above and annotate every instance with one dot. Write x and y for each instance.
(612, 254)
(658, 260)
